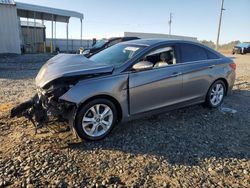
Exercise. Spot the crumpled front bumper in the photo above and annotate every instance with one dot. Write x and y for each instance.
(42, 108)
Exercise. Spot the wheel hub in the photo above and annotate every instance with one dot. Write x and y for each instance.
(97, 120)
(217, 94)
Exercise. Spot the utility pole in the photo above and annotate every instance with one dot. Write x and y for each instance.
(170, 22)
(218, 35)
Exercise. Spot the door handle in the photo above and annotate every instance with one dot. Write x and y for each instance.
(176, 74)
(211, 66)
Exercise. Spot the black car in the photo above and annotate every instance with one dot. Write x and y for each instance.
(241, 48)
(105, 43)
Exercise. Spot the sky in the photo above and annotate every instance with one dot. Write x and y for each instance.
(195, 18)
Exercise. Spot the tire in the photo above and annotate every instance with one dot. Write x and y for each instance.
(215, 96)
(90, 119)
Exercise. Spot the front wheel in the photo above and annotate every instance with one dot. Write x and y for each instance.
(96, 119)
(215, 94)
(243, 51)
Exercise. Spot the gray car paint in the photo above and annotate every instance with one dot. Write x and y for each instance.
(198, 77)
(141, 92)
(114, 86)
(68, 65)
(159, 87)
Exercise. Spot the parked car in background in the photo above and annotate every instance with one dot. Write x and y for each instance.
(128, 80)
(105, 43)
(241, 48)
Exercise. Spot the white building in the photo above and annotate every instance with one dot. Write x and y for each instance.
(142, 36)
(157, 35)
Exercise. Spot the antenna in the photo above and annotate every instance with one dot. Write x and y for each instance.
(170, 22)
(218, 35)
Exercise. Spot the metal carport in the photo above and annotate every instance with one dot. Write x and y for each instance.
(49, 14)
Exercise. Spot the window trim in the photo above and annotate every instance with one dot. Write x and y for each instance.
(172, 45)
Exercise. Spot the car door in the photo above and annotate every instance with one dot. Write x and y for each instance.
(198, 71)
(155, 88)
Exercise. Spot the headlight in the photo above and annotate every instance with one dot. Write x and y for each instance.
(41, 73)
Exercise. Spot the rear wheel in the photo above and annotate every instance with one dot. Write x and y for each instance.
(216, 94)
(96, 119)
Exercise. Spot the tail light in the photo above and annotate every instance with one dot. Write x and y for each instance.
(233, 66)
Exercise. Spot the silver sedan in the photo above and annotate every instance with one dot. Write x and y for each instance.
(127, 81)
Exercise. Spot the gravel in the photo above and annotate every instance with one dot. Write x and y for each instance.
(190, 147)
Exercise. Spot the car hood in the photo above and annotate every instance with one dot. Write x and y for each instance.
(69, 65)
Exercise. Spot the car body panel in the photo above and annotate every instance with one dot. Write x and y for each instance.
(113, 86)
(197, 78)
(147, 94)
(68, 65)
(137, 93)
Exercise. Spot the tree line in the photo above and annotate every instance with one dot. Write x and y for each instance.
(227, 46)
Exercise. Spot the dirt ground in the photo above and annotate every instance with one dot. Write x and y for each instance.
(190, 147)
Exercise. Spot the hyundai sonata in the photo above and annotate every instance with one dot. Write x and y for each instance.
(126, 81)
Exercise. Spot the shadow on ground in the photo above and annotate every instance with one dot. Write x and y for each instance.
(184, 136)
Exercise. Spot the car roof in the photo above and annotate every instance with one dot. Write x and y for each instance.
(158, 41)
(115, 38)
(149, 42)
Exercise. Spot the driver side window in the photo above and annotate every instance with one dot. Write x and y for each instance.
(161, 57)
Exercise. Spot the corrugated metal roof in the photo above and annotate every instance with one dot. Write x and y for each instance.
(48, 10)
(8, 2)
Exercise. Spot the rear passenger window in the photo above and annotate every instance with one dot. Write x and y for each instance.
(212, 55)
(191, 52)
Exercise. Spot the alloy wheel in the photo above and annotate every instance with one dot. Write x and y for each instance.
(97, 120)
(217, 94)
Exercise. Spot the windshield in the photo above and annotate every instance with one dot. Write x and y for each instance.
(100, 43)
(244, 45)
(117, 54)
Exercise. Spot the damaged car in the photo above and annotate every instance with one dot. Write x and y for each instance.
(241, 48)
(126, 81)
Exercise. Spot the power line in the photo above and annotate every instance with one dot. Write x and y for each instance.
(218, 35)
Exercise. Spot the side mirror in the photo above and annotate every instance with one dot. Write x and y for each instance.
(143, 65)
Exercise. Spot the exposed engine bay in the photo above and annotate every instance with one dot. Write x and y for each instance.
(54, 79)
